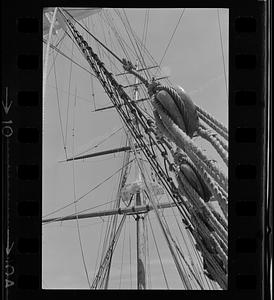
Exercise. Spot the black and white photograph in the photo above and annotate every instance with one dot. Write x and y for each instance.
(135, 148)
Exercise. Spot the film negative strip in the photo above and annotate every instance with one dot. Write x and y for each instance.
(23, 124)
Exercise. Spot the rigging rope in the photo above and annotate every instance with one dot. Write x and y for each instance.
(92, 35)
(218, 126)
(117, 91)
(70, 72)
(91, 190)
(74, 194)
(105, 41)
(99, 246)
(114, 88)
(221, 41)
(55, 47)
(108, 254)
(174, 31)
(112, 228)
(67, 57)
(121, 268)
(65, 92)
(59, 111)
(158, 253)
(142, 61)
(76, 45)
(110, 232)
(117, 35)
(101, 142)
(184, 262)
(184, 240)
(223, 144)
(144, 35)
(211, 137)
(127, 31)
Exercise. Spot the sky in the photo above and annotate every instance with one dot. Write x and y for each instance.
(194, 61)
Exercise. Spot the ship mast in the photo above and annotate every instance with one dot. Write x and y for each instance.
(140, 225)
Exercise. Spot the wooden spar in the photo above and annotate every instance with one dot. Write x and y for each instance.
(112, 106)
(100, 153)
(133, 210)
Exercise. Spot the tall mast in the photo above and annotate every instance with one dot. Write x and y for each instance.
(140, 223)
(141, 245)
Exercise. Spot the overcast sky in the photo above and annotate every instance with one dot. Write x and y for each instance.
(193, 61)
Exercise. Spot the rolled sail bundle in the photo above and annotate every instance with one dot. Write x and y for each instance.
(192, 176)
(213, 266)
(176, 118)
(179, 106)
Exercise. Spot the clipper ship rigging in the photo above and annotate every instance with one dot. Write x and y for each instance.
(165, 223)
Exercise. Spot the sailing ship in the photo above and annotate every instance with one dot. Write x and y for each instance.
(145, 205)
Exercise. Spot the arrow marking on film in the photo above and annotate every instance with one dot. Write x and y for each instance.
(6, 105)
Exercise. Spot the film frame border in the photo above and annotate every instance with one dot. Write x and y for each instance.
(22, 139)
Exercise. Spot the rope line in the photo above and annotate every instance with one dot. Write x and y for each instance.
(74, 194)
(214, 142)
(59, 111)
(219, 127)
(67, 57)
(88, 192)
(99, 246)
(158, 253)
(130, 108)
(221, 40)
(70, 72)
(174, 31)
(122, 262)
(112, 53)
